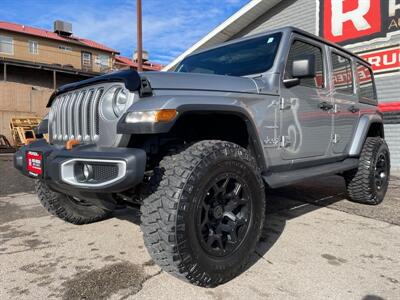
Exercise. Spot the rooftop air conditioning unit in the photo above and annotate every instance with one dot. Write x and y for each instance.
(63, 28)
(145, 56)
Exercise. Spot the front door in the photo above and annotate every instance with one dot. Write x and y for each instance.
(306, 117)
(346, 111)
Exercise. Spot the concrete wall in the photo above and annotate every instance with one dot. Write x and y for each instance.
(18, 100)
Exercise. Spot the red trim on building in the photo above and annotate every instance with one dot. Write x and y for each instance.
(389, 106)
(147, 66)
(53, 36)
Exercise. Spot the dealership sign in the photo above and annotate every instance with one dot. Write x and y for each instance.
(383, 60)
(351, 21)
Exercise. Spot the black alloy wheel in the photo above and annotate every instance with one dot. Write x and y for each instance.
(381, 171)
(225, 215)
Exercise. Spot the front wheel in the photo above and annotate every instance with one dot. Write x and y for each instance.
(69, 209)
(203, 222)
(369, 183)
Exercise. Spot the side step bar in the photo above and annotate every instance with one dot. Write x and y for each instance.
(279, 179)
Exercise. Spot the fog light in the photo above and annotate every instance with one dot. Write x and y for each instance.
(87, 172)
(83, 172)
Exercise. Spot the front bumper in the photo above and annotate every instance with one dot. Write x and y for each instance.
(112, 170)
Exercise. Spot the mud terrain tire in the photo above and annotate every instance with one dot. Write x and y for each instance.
(199, 234)
(368, 184)
(68, 208)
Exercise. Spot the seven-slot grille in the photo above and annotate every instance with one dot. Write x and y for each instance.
(75, 115)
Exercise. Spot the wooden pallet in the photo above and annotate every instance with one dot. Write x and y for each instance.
(22, 130)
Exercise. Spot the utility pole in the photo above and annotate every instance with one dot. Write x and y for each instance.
(139, 35)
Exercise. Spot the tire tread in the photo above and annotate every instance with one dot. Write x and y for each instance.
(161, 222)
(54, 203)
(358, 182)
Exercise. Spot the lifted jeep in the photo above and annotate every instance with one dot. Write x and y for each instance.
(195, 148)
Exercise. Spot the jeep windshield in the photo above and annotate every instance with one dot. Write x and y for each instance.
(248, 57)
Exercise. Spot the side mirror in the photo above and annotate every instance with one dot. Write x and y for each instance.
(303, 66)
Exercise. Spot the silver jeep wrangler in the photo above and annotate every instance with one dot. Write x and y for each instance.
(197, 147)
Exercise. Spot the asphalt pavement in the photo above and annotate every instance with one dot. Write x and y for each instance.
(315, 245)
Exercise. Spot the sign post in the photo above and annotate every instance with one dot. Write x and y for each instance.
(139, 35)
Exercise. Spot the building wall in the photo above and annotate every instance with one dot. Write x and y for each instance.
(388, 87)
(49, 52)
(20, 100)
(300, 13)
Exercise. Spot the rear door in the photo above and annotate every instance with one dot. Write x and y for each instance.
(306, 120)
(346, 107)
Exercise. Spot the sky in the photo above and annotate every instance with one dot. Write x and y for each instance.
(169, 26)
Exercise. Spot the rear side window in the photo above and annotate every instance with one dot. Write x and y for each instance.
(298, 50)
(342, 74)
(366, 82)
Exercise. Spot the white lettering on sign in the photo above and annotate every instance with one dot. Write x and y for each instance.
(384, 60)
(356, 16)
(393, 6)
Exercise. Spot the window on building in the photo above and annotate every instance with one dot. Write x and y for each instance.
(366, 82)
(297, 50)
(86, 59)
(342, 74)
(6, 44)
(65, 48)
(103, 60)
(33, 47)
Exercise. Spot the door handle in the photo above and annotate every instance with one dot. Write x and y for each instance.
(325, 106)
(353, 109)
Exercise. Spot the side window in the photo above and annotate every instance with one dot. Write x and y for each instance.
(342, 74)
(298, 50)
(366, 82)
(6, 45)
(33, 47)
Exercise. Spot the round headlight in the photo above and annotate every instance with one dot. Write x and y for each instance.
(120, 101)
(114, 102)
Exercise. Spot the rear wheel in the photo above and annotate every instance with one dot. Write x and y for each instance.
(368, 184)
(203, 222)
(69, 209)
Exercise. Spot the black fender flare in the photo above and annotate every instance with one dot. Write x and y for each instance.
(364, 124)
(155, 128)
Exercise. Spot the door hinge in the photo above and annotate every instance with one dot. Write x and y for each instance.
(336, 138)
(336, 109)
(283, 105)
(285, 142)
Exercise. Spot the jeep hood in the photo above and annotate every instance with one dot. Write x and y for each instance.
(200, 82)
